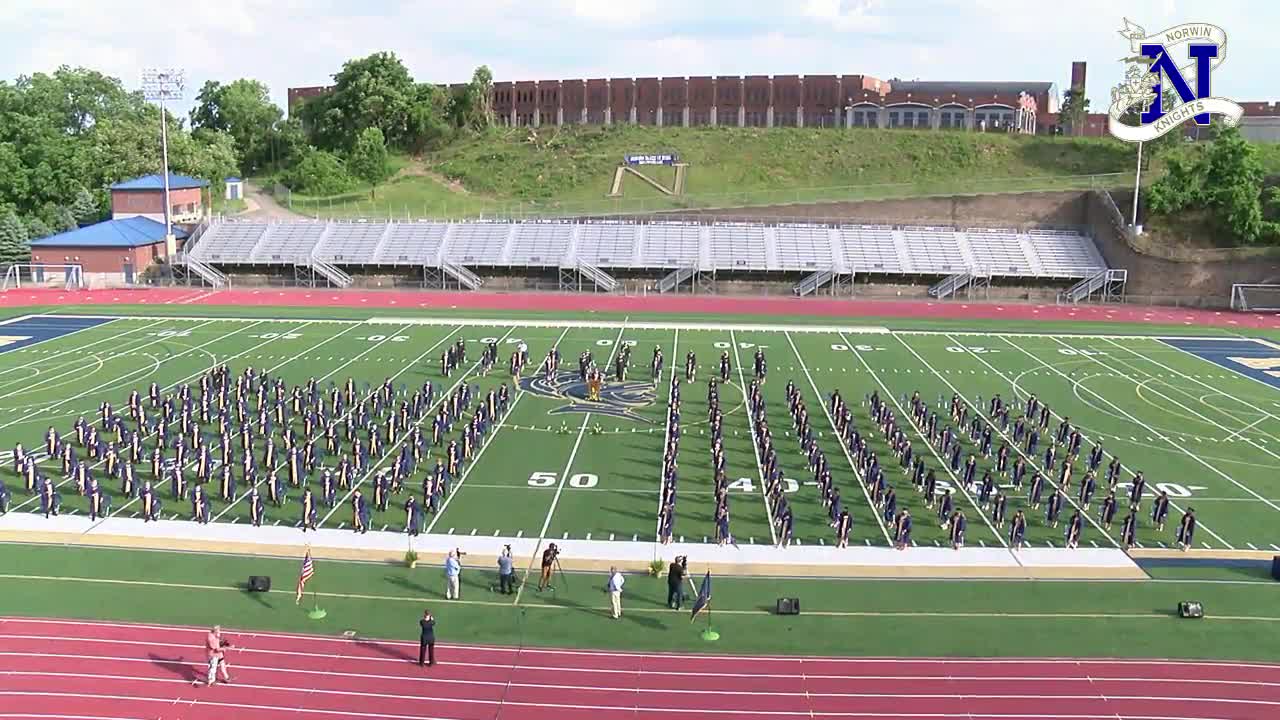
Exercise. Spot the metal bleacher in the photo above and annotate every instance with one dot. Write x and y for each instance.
(356, 245)
(933, 250)
(671, 245)
(803, 247)
(871, 249)
(695, 246)
(477, 244)
(1065, 254)
(608, 244)
(540, 244)
(739, 246)
(416, 243)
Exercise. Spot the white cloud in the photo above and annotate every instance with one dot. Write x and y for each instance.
(303, 42)
(845, 15)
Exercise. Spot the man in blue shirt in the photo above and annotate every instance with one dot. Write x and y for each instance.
(452, 576)
(506, 572)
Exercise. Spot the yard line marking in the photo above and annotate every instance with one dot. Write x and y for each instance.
(1031, 459)
(322, 378)
(564, 476)
(44, 361)
(906, 418)
(751, 424)
(1229, 438)
(666, 434)
(373, 466)
(1123, 412)
(520, 393)
(822, 400)
(59, 403)
(166, 388)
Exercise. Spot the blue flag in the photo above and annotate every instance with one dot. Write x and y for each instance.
(703, 600)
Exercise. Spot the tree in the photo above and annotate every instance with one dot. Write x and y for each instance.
(368, 160)
(84, 210)
(13, 240)
(373, 91)
(428, 122)
(64, 219)
(1224, 177)
(243, 109)
(482, 93)
(1072, 113)
(37, 228)
(319, 172)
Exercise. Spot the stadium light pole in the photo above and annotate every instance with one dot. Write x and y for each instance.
(160, 85)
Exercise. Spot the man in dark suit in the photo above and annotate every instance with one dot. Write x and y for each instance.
(675, 582)
(427, 640)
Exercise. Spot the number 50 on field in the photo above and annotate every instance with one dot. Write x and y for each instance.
(549, 479)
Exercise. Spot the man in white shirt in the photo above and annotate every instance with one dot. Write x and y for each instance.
(615, 592)
(452, 574)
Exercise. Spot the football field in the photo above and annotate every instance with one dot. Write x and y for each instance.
(1200, 417)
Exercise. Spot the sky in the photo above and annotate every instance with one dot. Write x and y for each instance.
(288, 43)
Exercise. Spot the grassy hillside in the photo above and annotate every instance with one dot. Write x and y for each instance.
(569, 170)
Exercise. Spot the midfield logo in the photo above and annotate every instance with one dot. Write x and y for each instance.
(617, 399)
(1155, 59)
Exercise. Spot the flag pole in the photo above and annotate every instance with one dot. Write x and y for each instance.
(710, 635)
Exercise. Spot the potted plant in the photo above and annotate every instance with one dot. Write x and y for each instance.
(656, 567)
(411, 559)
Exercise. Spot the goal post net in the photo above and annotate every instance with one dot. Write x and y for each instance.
(43, 275)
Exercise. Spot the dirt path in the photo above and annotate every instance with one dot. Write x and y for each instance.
(261, 206)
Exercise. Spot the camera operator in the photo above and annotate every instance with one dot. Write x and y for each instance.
(675, 581)
(548, 562)
(506, 572)
(453, 575)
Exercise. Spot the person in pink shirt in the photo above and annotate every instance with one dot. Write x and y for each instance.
(216, 650)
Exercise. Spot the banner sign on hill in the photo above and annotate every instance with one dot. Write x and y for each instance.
(652, 159)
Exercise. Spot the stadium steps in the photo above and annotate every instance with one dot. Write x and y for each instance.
(1108, 280)
(675, 278)
(602, 280)
(333, 274)
(208, 273)
(771, 261)
(1033, 257)
(813, 283)
(264, 242)
(464, 276)
(949, 285)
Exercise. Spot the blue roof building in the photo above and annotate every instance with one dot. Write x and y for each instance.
(137, 231)
(156, 182)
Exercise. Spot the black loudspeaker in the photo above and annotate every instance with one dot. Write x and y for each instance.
(259, 583)
(788, 606)
(1275, 567)
(1190, 609)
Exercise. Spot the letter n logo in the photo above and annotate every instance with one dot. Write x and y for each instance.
(1164, 67)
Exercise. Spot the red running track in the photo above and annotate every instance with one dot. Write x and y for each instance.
(672, 304)
(100, 671)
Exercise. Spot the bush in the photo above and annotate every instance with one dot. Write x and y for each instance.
(318, 173)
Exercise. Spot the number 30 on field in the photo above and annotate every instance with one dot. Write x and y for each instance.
(547, 479)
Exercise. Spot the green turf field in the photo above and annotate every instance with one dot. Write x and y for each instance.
(1018, 618)
(1206, 434)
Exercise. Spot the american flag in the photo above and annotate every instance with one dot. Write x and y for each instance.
(308, 569)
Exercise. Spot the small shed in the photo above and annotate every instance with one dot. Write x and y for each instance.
(235, 188)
